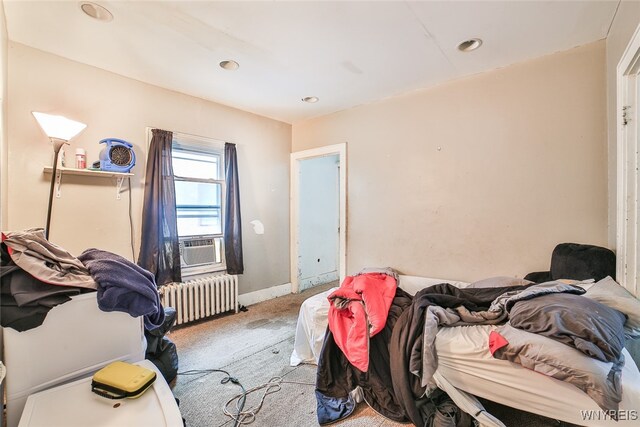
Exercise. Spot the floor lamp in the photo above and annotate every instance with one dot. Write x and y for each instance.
(60, 130)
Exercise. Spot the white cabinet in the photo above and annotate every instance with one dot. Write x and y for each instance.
(74, 405)
(75, 340)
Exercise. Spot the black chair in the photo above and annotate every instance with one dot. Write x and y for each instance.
(578, 262)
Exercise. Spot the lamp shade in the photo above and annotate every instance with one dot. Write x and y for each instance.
(58, 127)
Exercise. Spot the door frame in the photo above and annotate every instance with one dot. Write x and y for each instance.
(296, 158)
(628, 162)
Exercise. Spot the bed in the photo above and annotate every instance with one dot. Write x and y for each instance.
(466, 369)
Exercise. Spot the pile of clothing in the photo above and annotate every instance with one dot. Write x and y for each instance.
(36, 275)
(381, 343)
(355, 362)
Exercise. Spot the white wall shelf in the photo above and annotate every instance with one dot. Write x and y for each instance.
(120, 176)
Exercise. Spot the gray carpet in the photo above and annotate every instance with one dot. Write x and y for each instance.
(255, 346)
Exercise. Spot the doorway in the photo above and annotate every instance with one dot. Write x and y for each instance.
(628, 163)
(318, 216)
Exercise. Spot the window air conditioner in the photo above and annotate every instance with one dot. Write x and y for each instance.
(197, 251)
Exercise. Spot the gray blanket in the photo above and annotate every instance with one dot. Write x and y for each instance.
(602, 381)
(497, 313)
(593, 328)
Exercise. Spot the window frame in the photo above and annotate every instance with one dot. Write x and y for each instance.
(209, 146)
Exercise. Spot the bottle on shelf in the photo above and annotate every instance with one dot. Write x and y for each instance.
(81, 158)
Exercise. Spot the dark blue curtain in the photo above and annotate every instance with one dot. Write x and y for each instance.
(232, 220)
(160, 249)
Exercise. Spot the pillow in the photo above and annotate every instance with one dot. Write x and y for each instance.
(500, 282)
(591, 327)
(608, 292)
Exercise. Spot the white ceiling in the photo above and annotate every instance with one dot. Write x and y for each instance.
(345, 53)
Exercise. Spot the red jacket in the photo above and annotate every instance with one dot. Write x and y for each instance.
(358, 311)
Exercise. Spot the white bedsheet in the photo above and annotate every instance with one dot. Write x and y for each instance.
(310, 329)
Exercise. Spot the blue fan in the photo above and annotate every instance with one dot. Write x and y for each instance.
(117, 155)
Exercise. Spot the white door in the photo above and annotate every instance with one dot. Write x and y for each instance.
(628, 149)
(319, 221)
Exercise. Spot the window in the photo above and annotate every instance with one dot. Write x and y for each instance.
(199, 183)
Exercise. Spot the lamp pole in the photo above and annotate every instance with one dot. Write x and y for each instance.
(60, 130)
(57, 145)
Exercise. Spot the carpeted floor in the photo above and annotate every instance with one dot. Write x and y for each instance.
(255, 346)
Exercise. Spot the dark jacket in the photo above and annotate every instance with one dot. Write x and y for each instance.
(336, 377)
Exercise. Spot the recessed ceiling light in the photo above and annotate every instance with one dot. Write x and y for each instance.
(229, 65)
(311, 99)
(96, 11)
(469, 45)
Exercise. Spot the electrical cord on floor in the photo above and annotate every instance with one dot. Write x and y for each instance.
(243, 416)
(247, 416)
(227, 379)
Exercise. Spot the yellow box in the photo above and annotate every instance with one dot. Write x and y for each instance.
(118, 380)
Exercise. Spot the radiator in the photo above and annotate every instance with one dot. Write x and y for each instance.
(200, 298)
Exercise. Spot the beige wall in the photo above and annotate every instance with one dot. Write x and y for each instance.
(478, 177)
(88, 214)
(624, 25)
(3, 116)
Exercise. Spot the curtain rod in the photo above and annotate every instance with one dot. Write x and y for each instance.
(188, 135)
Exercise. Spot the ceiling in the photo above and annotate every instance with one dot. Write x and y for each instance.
(346, 53)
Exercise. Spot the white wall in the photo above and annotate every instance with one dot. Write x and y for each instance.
(624, 25)
(478, 177)
(318, 221)
(88, 214)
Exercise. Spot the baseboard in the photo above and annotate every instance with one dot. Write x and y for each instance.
(319, 279)
(264, 294)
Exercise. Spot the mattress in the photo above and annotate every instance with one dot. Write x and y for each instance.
(466, 363)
